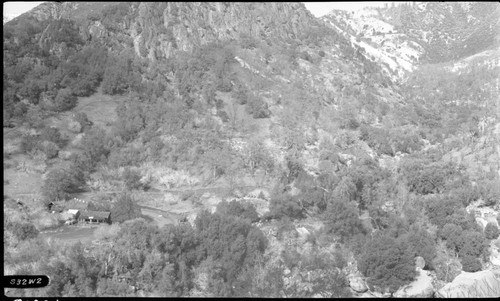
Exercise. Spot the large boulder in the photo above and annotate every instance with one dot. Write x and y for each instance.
(419, 263)
(358, 284)
(421, 287)
(481, 284)
(303, 233)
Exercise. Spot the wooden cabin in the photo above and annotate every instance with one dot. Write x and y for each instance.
(95, 217)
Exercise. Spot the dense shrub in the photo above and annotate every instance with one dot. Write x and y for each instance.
(118, 76)
(125, 156)
(94, 148)
(24, 231)
(232, 244)
(83, 120)
(285, 226)
(452, 233)
(387, 262)
(29, 143)
(422, 244)
(425, 177)
(50, 149)
(438, 209)
(257, 107)
(470, 264)
(124, 208)
(490, 191)
(20, 109)
(60, 182)
(285, 205)
(52, 134)
(64, 100)
(466, 194)
(131, 119)
(132, 179)
(378, 139)
(35, 117)
(241, 93)
(473, 244)
(247, 41)
(240, 209)
(341, 218)
(491, 231)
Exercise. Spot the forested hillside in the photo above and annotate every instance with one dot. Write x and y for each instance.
(251, 149)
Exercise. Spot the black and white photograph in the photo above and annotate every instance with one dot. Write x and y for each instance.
(251, 150)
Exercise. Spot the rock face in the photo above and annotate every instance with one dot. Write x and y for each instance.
(482, 284)
(157, 29)
(420, 288)
(201, 23)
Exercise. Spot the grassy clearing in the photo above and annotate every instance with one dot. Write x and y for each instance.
(159, 219)
(100, 108)
(241, 120)
(73, 234)
(19, 182)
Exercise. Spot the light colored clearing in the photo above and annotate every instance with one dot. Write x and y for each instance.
(168, 202)
(165, 177)
(421, 287)
(20, 182)
(159, 219)
(72, 233)
(100, 108)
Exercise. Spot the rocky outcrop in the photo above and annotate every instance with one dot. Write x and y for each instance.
(482, 284)
(303, 233)
(494, 254)
(483, 214)
(158, 29)
(183, 26)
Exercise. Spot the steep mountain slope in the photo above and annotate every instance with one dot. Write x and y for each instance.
(404, 36)
(282, 44)
(302, 157)
(392, 49)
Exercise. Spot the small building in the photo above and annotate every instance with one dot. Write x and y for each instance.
(74, 212)
(55, 207)
(95, 217)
